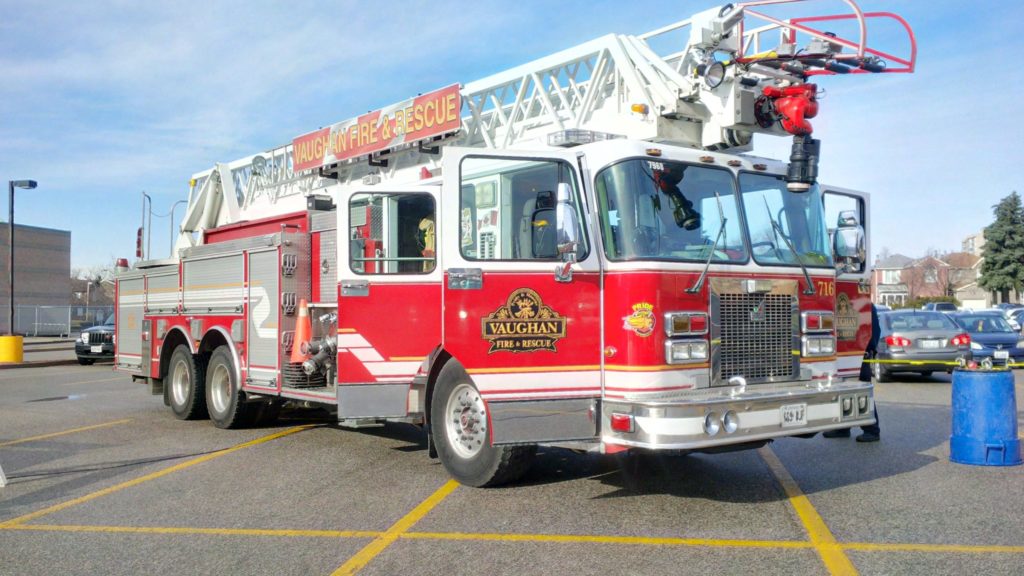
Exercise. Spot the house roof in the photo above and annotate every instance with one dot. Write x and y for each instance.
(894, 261)
(961, 259)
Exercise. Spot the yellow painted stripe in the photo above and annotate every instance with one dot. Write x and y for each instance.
(550, 538)
(525, 369)
(148, 477)
(64, 432)
(371, 550)
(634, 540)
(824, 542)
(968, 549)
(213, 286)
(188, 530)
(861, 353)
(406, 358)
(346, 330)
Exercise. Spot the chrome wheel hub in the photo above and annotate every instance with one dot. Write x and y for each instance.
(466, 423)
(220, 389)
(181, 383)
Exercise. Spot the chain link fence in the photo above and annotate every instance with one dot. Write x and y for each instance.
(56, 320)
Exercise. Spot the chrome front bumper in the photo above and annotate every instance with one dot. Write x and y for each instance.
(758, 411)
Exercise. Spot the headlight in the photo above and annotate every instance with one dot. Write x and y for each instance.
(84, 337)
(685, 351)
(976, 346)
(818, 345)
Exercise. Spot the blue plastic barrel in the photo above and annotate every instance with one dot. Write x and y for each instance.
(984, 419)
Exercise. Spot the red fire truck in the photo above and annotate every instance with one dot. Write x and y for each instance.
(578, 251)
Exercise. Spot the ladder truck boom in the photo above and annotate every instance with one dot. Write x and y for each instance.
(740, 72)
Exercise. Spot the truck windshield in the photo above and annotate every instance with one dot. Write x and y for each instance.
(785, 228)
(664, 210)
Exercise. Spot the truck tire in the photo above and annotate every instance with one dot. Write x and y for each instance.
(459, 425)
(187, 376)
(225, 400)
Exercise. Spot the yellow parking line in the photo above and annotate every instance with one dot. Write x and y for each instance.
(540, 538)
(62, 433)
(824, 542)
(635, 540)
(148, 477)
(371, 550)
(896, 547)
(187, 530)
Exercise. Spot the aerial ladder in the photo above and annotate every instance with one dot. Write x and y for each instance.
(741, 71)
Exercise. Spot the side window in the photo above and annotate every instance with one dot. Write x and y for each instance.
(392, 233)
(508, 205)
(835, 204)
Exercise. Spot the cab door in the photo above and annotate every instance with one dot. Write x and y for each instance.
(520, 316)
(853, 288)
(389, 296)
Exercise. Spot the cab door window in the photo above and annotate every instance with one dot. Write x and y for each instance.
(392, 233)
(507, 208)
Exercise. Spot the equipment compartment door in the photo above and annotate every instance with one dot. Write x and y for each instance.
(853, 289)
(522, 332)
(389, 307)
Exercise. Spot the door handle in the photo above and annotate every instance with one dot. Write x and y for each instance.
(355, 288)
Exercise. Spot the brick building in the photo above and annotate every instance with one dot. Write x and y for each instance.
(42, 268)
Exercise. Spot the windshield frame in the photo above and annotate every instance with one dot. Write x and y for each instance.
(829, 263)
(601, 213)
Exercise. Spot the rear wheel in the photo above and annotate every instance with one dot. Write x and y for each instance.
(224, 399)
(187, 378)
(881, 374)
(459, 425)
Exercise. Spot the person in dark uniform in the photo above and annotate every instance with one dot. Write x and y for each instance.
(872, 432)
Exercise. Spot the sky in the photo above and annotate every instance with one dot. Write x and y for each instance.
(102, 100)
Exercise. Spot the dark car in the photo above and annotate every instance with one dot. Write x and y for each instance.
(96, 343)
(992, 336)
(919, 341)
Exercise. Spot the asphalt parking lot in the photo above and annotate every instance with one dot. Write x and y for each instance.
(103, 480)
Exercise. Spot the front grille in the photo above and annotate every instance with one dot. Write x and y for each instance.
(100, 337)
(757, 336)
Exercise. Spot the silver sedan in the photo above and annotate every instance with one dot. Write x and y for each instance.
(919, 341)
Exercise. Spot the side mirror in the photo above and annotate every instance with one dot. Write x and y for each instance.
(566, 223)
(848, 249)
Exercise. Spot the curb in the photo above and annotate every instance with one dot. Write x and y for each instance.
(38, 364)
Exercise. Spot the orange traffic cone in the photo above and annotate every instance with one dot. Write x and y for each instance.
(303, 332)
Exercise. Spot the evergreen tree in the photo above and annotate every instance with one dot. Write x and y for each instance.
(1003, 268)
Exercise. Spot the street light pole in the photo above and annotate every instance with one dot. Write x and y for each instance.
(11, 185)
(172, 224)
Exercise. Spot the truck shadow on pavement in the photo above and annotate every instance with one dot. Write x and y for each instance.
(911, 437)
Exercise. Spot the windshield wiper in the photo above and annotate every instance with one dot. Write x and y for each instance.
(718, 237)
(777, 230)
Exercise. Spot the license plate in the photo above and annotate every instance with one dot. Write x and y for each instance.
(1002, 354)
(794, 415)
(96, 349)
(928, 343)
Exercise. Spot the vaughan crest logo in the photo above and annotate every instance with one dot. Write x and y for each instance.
(523, 324)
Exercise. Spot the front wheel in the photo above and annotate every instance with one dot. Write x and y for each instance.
(459, 426)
